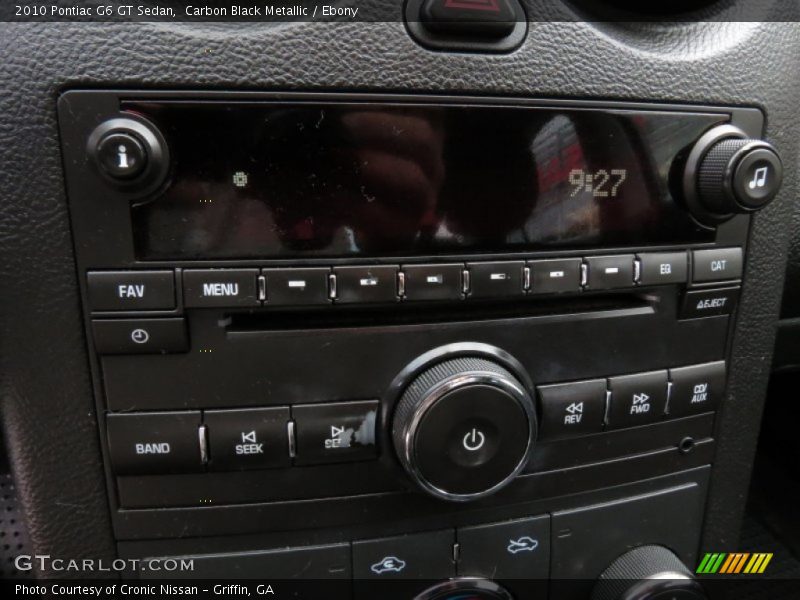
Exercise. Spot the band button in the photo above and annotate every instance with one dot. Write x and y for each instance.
(154, 442)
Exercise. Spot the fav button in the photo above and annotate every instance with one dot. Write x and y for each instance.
(637, 399)
(572, 408)
(336, 432)
(140, 336)
(131, 290)
(417, 556)
(517, 549)
(717, 264)
(248, 438)
(696, 389)
(220, 287)
(166, 442)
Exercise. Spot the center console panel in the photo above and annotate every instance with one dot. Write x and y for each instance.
(368, 328)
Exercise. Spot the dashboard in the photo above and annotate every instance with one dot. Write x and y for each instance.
(474, 300)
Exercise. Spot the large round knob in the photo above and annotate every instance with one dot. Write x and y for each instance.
(465, 588)
(647, 573)
(464, 428)
(728, 173)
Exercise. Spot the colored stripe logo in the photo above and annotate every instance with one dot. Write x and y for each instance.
(734, 563)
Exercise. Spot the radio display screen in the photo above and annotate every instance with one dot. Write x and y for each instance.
(347, 179)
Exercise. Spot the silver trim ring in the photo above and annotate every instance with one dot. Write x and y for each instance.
(437, 392)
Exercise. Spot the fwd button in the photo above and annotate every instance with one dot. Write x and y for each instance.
(637, 399)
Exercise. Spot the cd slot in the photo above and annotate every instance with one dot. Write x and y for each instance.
(409, 314)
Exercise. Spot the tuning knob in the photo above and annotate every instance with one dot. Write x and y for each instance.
(647, 573)
(464, 428)
(727, 173)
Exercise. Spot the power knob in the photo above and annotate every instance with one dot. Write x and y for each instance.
(464, 428)
(647, 573)
(728, 173)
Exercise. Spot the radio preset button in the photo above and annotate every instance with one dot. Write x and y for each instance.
(555, 276)
(496, 279)
(717, 264)
(131, 290)
(572, 408)
(251, 438)
(637, 399)
(696, 389)
(434, 282)
(659, 268)
(336, 432)
(709, 303)
(140, 336)
(610, 272)
(366, 284)
(220, 288)
(166, 442)
(297, 287)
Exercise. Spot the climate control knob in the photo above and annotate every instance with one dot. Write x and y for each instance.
(647, 573)
(727, 173)
(464, 428)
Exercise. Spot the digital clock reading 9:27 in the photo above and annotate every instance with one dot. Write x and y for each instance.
(600, 183)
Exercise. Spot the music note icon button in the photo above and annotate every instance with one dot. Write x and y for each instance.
(757, 178)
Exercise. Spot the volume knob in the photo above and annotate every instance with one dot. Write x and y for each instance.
(728, 173)
(464, 428)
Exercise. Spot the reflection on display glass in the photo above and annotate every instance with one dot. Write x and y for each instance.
(277, 180)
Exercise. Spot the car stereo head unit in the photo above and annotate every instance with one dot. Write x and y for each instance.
(330, 313)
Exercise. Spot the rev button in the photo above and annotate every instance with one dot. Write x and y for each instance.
(167, 442)
(220, 287)
(572, 408)
(248, 439)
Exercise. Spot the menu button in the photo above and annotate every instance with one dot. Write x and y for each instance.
(220, 287)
